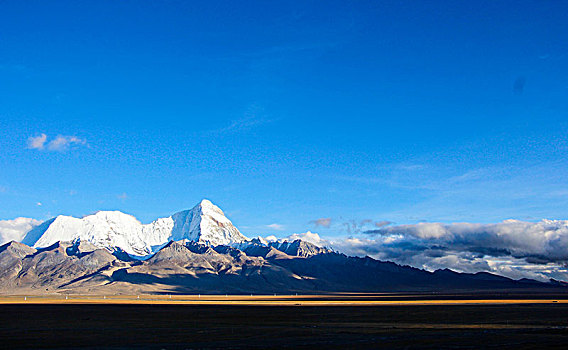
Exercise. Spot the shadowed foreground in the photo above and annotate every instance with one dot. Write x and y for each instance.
(214, 326)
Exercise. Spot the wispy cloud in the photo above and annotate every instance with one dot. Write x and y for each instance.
(358, 226)
(383, 223)
(449, 193)
(243, 124)
(253, 117)
(123, 196)
(349, 226)
(277, 227)
(59, 144)
(321, 222)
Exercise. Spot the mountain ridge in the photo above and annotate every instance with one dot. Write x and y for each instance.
(201, 251)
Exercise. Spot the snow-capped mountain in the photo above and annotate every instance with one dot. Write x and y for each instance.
(205, 223)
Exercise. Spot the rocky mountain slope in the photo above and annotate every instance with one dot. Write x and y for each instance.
(192, 267)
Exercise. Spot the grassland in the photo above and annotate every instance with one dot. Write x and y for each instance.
(430, 321)
(289, 300)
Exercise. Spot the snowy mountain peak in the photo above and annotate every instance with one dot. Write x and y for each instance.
(205, 223)
(114, 230)
(206, 206)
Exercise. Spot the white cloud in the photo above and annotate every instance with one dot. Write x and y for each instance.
(59, 144)
(123, 196)
(16, 229)
(37, 142)
(311, 237)
(276, 227)
(62, 143)
(39, 204)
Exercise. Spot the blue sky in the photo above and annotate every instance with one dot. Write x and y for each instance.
(286, 112)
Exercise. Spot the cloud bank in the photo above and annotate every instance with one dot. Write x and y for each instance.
(512, 248)
(545, 241)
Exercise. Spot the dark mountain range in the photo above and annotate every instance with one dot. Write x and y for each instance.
(192, 267)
